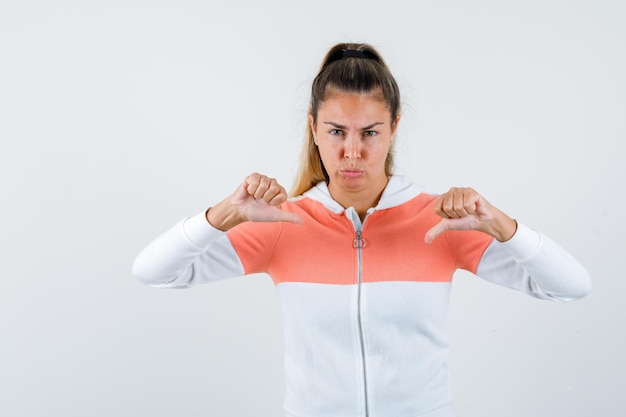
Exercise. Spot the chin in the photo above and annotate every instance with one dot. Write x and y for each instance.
(353, 183)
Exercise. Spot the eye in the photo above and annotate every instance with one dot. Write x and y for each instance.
(335, 132)
(370, 133)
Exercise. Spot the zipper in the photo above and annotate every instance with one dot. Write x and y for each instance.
(359, 243)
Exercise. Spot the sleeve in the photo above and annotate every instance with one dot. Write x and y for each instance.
(192, 252)
(534, 264)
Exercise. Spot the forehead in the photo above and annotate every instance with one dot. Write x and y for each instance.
(358, 108)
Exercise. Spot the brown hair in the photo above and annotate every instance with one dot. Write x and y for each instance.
(359, 70)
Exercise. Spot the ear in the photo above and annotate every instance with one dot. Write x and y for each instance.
(312, 126)
(394, 126)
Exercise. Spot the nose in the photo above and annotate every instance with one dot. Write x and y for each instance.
(352, 148)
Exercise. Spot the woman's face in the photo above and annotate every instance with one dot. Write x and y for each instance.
(353, 133)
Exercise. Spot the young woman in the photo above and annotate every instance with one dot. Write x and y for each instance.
(362, 259)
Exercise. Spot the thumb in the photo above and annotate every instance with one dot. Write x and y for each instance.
(287, 216)
(436, 230)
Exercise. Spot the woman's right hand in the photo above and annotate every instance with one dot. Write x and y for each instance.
(256, 199)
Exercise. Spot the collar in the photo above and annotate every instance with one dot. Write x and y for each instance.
(399, 190)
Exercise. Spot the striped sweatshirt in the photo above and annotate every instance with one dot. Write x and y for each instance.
(364, 303)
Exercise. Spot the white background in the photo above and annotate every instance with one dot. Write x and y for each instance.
(118, 118)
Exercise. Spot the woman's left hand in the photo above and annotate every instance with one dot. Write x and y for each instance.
(465, 209)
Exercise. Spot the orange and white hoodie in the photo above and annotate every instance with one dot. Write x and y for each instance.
(364, 303)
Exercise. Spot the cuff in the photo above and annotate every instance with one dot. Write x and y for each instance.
(199, 231)
(524, 243)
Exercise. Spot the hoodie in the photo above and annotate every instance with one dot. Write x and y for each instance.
(364, 303)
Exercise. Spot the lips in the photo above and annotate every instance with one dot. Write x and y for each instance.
(351, 173)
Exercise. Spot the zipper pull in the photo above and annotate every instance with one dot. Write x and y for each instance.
(359, 242)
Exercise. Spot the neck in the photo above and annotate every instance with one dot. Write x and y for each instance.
(362, 200)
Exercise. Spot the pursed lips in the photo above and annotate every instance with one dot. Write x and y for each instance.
(351, 172)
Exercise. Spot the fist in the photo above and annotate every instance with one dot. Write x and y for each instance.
(258, 197)
(465, 209)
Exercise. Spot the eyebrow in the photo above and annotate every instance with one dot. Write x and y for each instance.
(339, 126)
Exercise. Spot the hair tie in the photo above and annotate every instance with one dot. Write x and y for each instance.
(353, 53)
